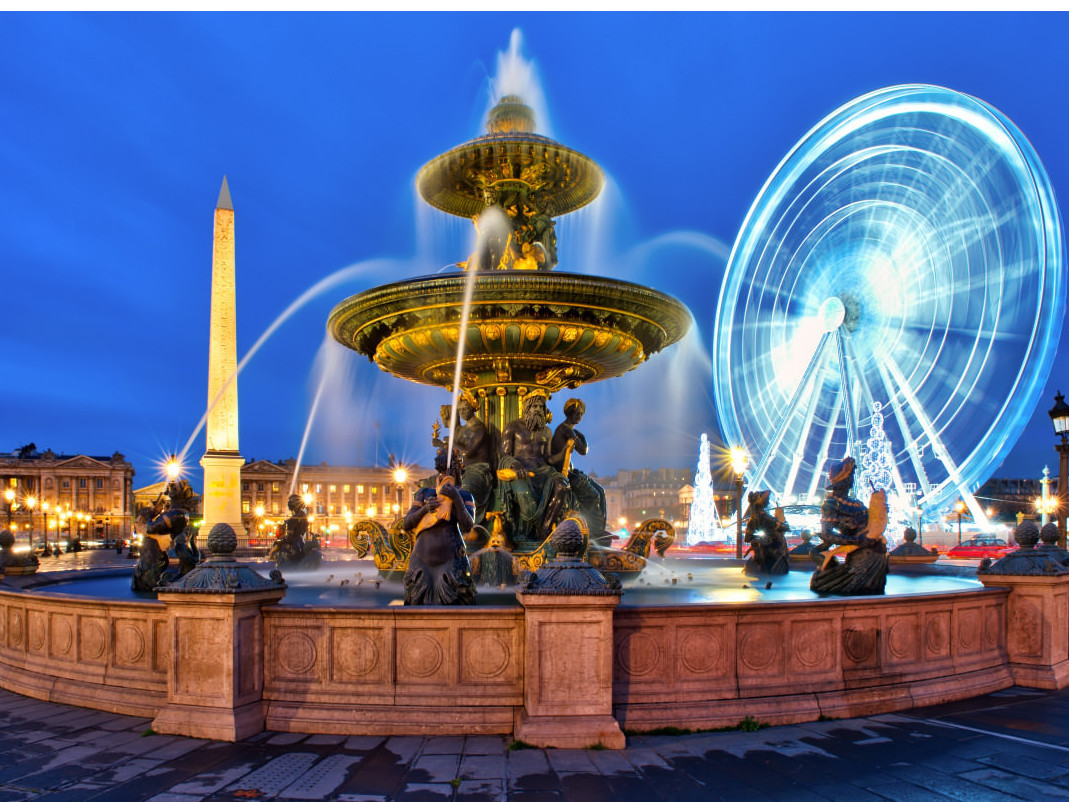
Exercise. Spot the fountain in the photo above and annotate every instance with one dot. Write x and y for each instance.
(507, 333)
(223, 652)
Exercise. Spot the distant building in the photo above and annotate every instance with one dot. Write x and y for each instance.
(1005, 498)
(645, 493)
(339, 494)
(90, 495)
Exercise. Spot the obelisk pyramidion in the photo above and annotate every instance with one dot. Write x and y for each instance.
(221, 461)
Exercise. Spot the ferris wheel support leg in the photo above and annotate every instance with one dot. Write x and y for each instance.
(833, 421)
(803, 437)
(938, 449)
(781, 429)
(851, 409)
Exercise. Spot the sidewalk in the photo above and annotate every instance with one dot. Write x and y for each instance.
(1009, 745)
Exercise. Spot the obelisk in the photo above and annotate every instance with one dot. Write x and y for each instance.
(221, 461)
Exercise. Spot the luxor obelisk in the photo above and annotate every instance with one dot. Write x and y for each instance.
(222, 461)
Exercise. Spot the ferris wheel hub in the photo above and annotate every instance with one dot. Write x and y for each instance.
(832, 314)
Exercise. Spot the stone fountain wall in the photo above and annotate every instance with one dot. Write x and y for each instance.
(487, 669)
(87, 652)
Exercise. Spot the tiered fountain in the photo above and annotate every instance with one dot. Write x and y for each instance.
(524, 328)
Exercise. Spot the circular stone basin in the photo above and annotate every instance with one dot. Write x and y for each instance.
(674, 581)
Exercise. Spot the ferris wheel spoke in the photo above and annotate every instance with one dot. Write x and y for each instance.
(851, 409)
(777, 437)
(807, 426)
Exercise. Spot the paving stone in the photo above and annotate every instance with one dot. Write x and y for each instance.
(426, 792)
(321, 780)
(484, 790)
(363, 743)
(1015, 784)
(844, 792)
(276, 774)
(642, 757)
(379, 773)
(208, 781)
(127, 770)
(1026, 765)
(146, 744)
(480, 767)
(436, 768)
(325, 740)
(485, 745)
(175, 798)
(359, 798)
(405, 747)
(286, 738)
(175, 750)
(81, 792)
(443, 746)
(610, 762)
(570, 760)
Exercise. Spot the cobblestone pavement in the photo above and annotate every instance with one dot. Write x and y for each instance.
(1009, 745)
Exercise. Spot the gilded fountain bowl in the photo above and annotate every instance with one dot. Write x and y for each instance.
(543, 329)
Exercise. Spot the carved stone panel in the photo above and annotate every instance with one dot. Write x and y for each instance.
(202, 658)
(703, 652)
(62, 641)
(861, 642)
(92, 639)
(489, 656)
(16, 628)
(296, 653)
(937, 634)
(812, 646)
(421, 655)
(560, 670)
(968, 630)
(903, 638)
(359, 654)
(1025, 625)
(250, 654)
(38, 631)
(639, 653)
(760, 648)
(131, 645)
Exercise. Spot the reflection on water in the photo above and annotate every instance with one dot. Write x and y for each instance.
(692, 580)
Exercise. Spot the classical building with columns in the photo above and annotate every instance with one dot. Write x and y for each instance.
(337, 495)
(89, 494)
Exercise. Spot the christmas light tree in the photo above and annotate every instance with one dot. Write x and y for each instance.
(704, 525)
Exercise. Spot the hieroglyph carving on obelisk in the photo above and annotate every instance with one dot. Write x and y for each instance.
(222, 462)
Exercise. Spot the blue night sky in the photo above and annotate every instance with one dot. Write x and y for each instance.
(117, 129)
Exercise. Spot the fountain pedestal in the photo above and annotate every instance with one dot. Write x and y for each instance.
(215, 663)
(1037, 630)
(568, 609)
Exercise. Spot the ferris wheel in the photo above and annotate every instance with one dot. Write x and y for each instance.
(907, 252)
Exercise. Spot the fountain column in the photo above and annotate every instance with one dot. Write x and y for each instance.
(222, 461)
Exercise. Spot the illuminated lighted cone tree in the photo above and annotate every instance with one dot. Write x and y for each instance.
(704, 524)
(876, 458)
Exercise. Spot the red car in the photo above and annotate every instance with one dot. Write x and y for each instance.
(981, 546)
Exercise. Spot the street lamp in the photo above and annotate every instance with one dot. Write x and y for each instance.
(740, 461)
(1059, 417)
(959, 508)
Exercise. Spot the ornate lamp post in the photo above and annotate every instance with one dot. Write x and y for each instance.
(400, 476)
(44, 522)
(9, 497)
(31, 503)
(258, 511)
(740, 461)
(1059, 417)
(959, 508)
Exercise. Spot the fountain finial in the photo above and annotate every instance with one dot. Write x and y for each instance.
(511, 115)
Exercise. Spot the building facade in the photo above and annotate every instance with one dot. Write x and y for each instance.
(64, 494)
(336, 495)
(634, 496)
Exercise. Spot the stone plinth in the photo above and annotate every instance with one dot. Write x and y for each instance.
(215, 676)
(567, 696)
(1037, 639)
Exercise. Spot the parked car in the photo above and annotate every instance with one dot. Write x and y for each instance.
(981, 546)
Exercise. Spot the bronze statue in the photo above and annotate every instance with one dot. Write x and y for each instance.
(151, 569)
(494, 565)
(587, 496)
(170, 516)
(765, 534)
(477, 444)
(438, 571)
(293, 548)
(535, 492)
(856, 532)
